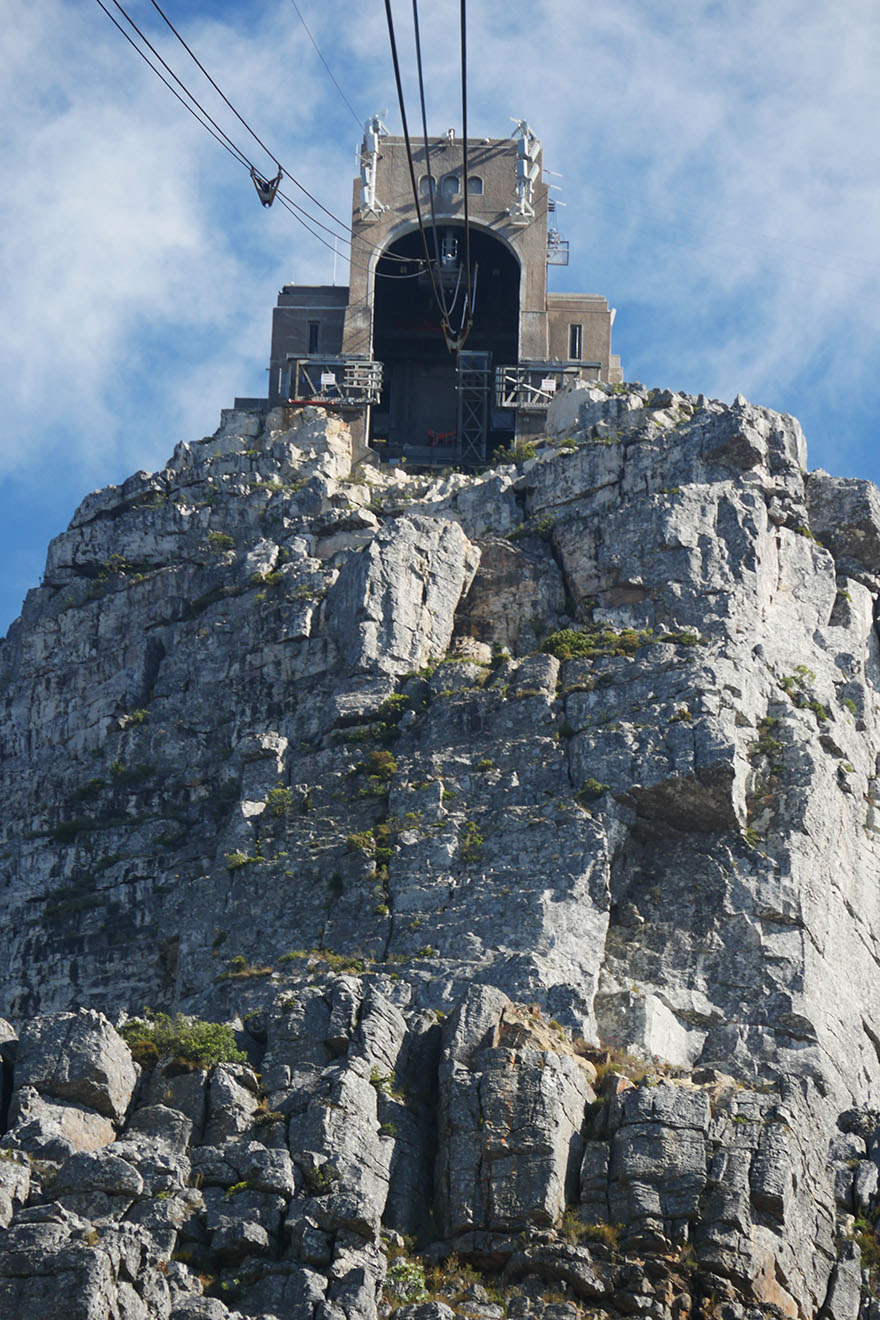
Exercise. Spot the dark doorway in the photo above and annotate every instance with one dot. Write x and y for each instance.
(420, 413)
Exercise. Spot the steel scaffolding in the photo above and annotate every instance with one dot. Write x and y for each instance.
(532, 386)
(474, 373)
(341, 382)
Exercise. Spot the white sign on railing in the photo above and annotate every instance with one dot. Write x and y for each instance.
(327, 378)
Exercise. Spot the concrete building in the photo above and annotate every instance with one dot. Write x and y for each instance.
(377, 351)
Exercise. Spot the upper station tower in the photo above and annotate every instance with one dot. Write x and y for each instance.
(376, 349)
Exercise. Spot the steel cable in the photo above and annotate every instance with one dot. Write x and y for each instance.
(354, 114)
(231, 147)
(469, 293)
(409, 157)
(254, 135)
(447, 311)
(348, 239)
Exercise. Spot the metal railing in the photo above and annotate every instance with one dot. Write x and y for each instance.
(532, 386)
(341, 382)
(557, 250)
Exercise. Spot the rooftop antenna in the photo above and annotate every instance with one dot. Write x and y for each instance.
(374, 131)
(528, 170)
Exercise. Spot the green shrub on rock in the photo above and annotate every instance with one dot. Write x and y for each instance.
(380, 764)
(589, 641)
(203, 1043)
(405, 1281)
(279, 801)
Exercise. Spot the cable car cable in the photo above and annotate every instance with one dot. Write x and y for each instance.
(292, 208)
(259, 140)
(354, 113)
(240, 159)
(137, 48)
(226, 142)
(239, 156)
(464, 148)
(221, 94)
(447, 311)
(234, 150)
(243, 121)
(231, 147)
(409, 157)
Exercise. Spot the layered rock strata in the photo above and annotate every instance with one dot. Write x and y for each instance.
(523, 824)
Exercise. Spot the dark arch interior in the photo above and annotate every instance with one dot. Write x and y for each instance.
(419, 411)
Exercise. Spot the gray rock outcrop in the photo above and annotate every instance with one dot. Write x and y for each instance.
(520, 829)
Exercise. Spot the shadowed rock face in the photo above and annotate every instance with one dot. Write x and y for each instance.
(458, 796)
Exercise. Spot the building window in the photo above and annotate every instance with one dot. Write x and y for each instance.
(427, 185)
(449, 186)
(313, 336)
(475, 185)
(575, 342)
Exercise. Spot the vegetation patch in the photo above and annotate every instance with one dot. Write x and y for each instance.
(279, 801)
(405, 1282)
(124, 776)
(384, 1083)
(80, 895)
(236, 860)
(192, 1039)
(590, 791)
(336, 962)
(574, 643)
(241, 969)
(88, 792)
(541, 527)
(379, 764)
(575, 1230)
(766, 744)
(797, 688)
(470, 842)
(66, 831)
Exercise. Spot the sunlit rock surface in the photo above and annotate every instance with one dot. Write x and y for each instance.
(522, 825)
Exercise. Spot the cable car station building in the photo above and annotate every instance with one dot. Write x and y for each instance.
(376, 351)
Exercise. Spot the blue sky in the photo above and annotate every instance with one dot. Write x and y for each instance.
(720, 162)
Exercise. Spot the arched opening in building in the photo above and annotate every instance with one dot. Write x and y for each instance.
(438, 407)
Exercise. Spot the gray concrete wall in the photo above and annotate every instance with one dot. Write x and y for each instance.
(300, 305)
(591, 312)
(494, 163)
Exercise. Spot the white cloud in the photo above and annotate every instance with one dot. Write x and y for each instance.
(720, 165)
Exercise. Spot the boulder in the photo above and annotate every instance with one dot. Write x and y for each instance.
(77, 1057)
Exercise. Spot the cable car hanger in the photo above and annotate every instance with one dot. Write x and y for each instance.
(266, 188)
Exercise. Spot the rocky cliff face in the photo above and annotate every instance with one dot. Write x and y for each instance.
(522, 826)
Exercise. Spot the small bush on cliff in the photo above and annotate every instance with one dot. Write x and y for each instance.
(380, 764)
(279, 801)
(575, 1230)
(470, 844)
(571, 643)
(203, 1043)
(866, 1238)
(405, 1281)
(590, 791)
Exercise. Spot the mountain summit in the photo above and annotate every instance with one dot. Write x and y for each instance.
(497, 854)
